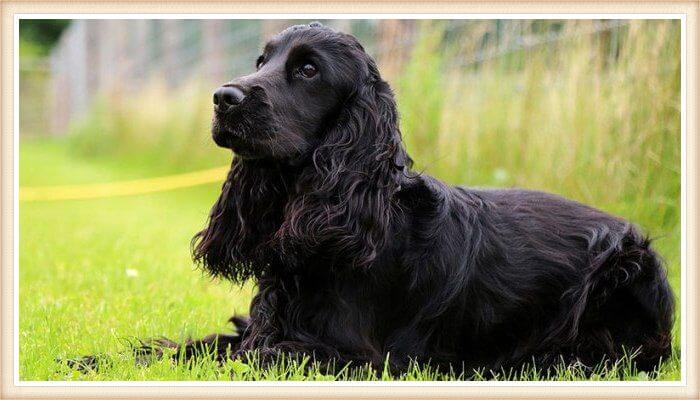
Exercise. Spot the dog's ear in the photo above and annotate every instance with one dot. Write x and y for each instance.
(345, 201)
(246, 213)
(212, 247)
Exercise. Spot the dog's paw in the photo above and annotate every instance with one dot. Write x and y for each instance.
(85, 364)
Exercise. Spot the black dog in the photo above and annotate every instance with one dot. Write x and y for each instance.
(355, 256)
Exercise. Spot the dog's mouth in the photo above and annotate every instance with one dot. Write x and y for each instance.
(241, 132)
(232, 139)
(224, 137)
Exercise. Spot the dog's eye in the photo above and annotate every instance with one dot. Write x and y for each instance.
(260, 62)
(308, 70)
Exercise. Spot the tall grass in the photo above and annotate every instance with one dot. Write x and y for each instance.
(600, 126)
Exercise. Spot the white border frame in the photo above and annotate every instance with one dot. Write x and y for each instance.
(350, 16)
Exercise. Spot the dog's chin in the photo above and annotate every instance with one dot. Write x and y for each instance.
(222, 138)
(242, 148)
(256, 149)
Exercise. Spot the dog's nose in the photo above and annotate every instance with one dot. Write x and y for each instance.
(226, 97)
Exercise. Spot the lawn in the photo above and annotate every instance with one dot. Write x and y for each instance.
(97, 274)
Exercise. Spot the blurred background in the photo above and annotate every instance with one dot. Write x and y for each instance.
(483, 102)
(588, 109)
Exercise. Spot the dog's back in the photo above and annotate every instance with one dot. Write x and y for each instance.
(550, 277)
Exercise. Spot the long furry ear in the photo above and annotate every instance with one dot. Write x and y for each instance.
(212, 247)
(247, 212)
(343, 207)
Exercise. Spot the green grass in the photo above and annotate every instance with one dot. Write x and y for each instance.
(564, 118)
(74, 258)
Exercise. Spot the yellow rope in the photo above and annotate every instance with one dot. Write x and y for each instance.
(126, 188)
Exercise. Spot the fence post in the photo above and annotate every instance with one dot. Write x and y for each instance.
(213, 52)
(59, 88)
(139, 70)
(93, 56)
(171, 44)
(394, 44)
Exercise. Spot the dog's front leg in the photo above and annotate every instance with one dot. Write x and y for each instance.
(264, 328)
(273, 330)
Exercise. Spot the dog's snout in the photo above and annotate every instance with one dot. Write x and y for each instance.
(226, 97)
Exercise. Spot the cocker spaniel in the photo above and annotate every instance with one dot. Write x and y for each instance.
(356, 257)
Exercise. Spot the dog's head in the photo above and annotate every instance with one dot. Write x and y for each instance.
(319, 157)
(304, 76)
